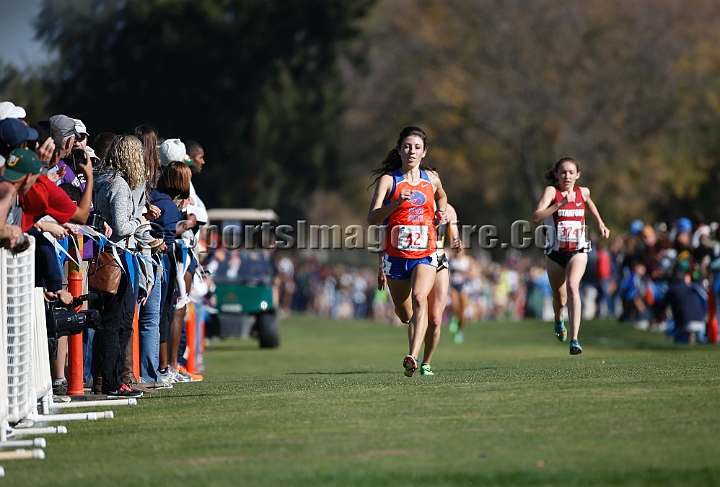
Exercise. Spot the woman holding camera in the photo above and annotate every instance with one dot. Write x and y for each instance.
(122, 173)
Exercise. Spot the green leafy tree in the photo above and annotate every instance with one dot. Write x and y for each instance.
(29, 89)
(506, 87)
(255, 81)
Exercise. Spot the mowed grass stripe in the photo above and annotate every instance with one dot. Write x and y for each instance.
(331, 407)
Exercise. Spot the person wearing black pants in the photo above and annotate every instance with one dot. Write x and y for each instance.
(122, 174)
(110, 341)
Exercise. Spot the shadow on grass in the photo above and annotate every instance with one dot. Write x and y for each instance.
(190, 395)
(351, 372)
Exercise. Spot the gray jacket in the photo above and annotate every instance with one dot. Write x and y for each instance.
(121, 208)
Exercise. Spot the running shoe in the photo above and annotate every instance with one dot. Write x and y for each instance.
(459, 337)
(193, 377)
(180, 376)
(165, 376)
(425, 369)
(60, 387)
(411, 365)
(165, 379)
(125, 391)
(560, 331)
(172, 376)
(575, 348)
(453, 325)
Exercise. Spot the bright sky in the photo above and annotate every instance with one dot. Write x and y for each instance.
(17, 35)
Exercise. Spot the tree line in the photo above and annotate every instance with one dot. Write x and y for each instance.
(296, 100)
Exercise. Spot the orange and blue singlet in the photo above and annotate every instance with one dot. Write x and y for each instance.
(411, 227)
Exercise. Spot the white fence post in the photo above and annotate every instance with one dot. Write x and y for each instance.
(3, 353)
(19, 293)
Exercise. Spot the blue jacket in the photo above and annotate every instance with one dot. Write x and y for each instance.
(170, 215)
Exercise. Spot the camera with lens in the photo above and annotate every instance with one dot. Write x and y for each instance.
(78, 157)
(96, 222)
(62, 320)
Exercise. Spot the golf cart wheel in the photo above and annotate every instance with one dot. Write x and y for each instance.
(268, 330)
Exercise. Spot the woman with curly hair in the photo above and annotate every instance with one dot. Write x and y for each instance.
(122, 173)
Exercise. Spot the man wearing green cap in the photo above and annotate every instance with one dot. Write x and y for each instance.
(22, 169)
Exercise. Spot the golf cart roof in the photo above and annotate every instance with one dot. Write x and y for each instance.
(242, 214)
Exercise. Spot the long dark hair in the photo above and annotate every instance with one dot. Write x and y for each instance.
(392, 160)
(149, 140)
(550, 173)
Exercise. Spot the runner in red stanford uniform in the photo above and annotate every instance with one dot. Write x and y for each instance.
(406, 199)
(562, 208)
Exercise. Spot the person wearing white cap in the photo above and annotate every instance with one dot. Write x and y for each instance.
(80, 128)
(81, 139)
(171, 150)
(9, 110)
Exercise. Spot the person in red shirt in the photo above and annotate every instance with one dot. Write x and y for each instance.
(46, 198)
(562, 208)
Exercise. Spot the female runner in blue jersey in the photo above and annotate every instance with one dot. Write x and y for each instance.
(562, 208)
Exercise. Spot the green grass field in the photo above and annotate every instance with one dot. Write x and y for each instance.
(332, 407)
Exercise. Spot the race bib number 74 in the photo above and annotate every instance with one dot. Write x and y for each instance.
(412, 237)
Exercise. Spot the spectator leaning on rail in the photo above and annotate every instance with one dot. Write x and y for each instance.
(70, 164)
(175, 298)
(8, 110)
(149, 312)
(197, 216)
(14, 134)
(122, 173)
(47, 213)
(140, 240)
(65, 126)
(21, 173)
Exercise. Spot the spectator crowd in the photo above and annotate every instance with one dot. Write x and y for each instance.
(662, 277)
(131, 199)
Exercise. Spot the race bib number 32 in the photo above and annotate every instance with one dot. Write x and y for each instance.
(412, 237)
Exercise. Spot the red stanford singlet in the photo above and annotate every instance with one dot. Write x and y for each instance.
(568, 224)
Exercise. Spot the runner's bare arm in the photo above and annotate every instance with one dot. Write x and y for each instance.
(440, 195)
(378, 213)
(590, 204)
(453, 230)
(545, 206)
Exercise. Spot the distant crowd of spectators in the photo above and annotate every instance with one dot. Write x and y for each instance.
(661, 276)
